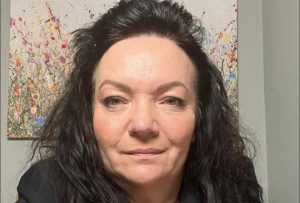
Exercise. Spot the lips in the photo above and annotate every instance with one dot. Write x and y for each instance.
(145, 152)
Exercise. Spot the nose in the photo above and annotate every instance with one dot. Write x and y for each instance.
(143, 124)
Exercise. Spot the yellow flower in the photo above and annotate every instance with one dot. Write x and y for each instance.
(33, 110)
(29, 84)
(18, 62)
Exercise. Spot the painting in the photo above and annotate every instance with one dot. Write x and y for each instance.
(40, 60)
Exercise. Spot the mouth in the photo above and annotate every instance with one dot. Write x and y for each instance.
(144, 152)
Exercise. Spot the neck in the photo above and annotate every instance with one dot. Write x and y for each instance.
(162, 191)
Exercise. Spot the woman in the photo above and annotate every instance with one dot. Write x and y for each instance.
(144, 118)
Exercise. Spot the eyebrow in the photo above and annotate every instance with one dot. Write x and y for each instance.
(127, 89)
(120, 86)
(170, 85)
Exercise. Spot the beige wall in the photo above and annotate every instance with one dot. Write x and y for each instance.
(281, 66)
(13, 153)
(251, 81)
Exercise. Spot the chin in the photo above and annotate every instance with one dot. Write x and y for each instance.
(143, 175)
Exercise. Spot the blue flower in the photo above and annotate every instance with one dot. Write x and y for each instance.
(232, 75)
(40, 121)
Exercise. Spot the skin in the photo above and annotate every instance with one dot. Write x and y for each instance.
(144, 115)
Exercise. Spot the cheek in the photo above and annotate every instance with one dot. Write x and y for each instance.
(101, 127)
(179, 129)
(105, 129)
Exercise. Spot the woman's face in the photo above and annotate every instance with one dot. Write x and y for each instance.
(144, 109)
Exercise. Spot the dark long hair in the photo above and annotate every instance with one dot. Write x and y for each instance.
(217, 168)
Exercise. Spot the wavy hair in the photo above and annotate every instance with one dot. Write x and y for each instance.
(217, 168)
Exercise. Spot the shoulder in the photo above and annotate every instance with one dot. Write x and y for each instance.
(248, 187)
(38, 184)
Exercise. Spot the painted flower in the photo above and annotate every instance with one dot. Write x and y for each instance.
(231, 56)
(18, 62)
(17, 90)
(232, 75)
(12, 22)
(46, 43)
(47, 57)
(37, 45)
(29, 84)
(62, 59)
(53, 87)
(40, 121)
(33, 110)
(17, 112)
(64, 46)
(35, 96)
(224, 36)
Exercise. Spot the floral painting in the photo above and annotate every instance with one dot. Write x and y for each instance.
(40, 62)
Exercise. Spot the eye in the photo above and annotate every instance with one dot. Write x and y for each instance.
(113, 101)
(173, 101)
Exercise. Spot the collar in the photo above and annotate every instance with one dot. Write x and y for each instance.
(185, 196)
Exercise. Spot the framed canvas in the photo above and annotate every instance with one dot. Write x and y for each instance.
(40, 60)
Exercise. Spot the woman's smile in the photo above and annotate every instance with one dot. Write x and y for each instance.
(145, 154)
(147, 151)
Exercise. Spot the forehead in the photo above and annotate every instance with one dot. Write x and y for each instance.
(145, 59)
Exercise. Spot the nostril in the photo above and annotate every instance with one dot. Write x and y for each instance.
(143, 130)
(143, 123)
(144, 135)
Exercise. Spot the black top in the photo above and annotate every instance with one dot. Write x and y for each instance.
(37, 185)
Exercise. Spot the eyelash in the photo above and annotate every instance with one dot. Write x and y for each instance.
(173, 101)
(113, 101)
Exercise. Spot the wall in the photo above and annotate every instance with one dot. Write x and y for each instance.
(281, 62)
(13, 153)
(251, 83)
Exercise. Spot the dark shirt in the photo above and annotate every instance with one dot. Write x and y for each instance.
(38, 186)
